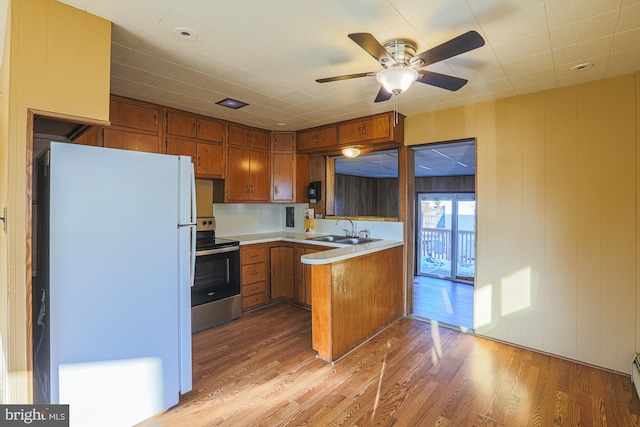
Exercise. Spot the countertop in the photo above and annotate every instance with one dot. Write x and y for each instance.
(338, 253)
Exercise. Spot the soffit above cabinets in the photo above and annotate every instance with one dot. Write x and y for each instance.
(268, 53)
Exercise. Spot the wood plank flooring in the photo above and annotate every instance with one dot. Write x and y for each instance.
(443, 300)
(260, 370)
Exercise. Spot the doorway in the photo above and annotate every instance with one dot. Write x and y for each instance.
(445, 233)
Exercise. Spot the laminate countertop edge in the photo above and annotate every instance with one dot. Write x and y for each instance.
(339, 251)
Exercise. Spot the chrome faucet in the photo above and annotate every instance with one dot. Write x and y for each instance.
(353, 227)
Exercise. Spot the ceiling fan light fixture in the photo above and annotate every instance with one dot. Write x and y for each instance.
(351, 152)
(397, 79)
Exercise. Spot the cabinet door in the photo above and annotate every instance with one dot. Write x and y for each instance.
(260, 139)
(135, 116)
(327, 137)
(376, 127)
(350, 133)
(210, 130)
(181, 124)
(306, 140)
(283, 176)
(115, 138)
(210, 160)
(237, 178)
(260, 176)
(239, 135)
(282, 272)
(180, 147)
(283, 141)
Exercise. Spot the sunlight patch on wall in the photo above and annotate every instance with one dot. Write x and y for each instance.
(516, 292)
(483, 305)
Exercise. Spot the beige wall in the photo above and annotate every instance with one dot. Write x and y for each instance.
(59, 62)
(557, 202)
(4, 180)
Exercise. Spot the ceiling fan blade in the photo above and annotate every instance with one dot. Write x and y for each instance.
(372, 46)
(383, 95)
(441, 80)
(461, 44)
(345, 77)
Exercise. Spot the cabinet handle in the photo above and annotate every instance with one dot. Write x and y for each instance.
(194, 129)
(252, 188)
(198, 161)
(364, 130)
(199, 129)
(254, 272)
(360, 131)
(253, 256)
(247, 188)
(275, 190)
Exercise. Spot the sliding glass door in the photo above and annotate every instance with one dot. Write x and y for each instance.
(446, 235)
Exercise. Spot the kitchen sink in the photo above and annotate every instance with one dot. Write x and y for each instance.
(355, 240)
(329, 238)
(342, 239)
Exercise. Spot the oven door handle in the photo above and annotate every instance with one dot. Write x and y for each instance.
(218, 250)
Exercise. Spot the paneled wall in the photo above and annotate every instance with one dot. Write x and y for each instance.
(58, 62)
(362, 196)
(557, 203)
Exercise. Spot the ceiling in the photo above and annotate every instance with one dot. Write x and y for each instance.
(268, 53)
(450, 159)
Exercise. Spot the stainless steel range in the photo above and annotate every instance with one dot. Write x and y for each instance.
(215, 295)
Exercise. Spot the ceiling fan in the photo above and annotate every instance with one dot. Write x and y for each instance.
(402, 66)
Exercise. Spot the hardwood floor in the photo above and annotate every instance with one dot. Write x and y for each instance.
(443, 300)
(260, 370)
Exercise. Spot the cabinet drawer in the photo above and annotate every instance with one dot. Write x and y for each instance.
(254, 288)
(254, 301)
(253, 273)
(252, 255)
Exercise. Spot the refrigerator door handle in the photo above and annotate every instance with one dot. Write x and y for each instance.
(194, 219)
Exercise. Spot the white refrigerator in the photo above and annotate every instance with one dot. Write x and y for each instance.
(112, 291)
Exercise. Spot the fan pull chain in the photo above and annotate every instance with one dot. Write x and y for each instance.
(395, 110)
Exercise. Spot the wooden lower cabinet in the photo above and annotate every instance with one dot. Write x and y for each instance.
(253, 276)
(302, 285)
(282, 278)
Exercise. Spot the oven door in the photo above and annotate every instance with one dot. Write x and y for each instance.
(217, 275)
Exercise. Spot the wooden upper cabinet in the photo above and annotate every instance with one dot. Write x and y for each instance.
(117, 138)
(244, 136)
(313, 139)
(191, 126)
(376, 130)
(283, 167)
(260, 176)
(210, 160)
(369, 129)
(134, 115)
(210, 130)
(283, 141)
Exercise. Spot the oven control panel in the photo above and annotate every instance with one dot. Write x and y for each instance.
(207, 223)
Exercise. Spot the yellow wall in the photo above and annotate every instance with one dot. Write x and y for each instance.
(556, 265)
(59, 62)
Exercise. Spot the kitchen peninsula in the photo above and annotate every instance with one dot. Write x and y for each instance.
(355, 290)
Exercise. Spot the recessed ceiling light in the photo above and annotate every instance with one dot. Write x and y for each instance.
(232, 103)
(281, 124)
(185, 33)
(582, 67)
